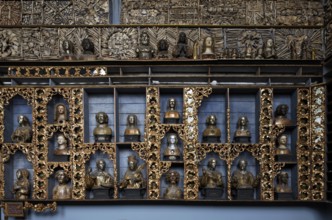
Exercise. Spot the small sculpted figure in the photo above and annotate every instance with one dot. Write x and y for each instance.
(88, 47)
(211, 133)
(269, 50)
(282, 183)
(281, 115)
(211, 178)
(163, 49)
(133, 178)
(100, 178)
(172, 152)
(62, 190)
(282, 145)
(242, 178)
(21, 187)
(181, 49)
(68, 48)
(171, 115)
(145, 51)
(60, 114)
(23, 133)
(208, 48)
(132, 133)
(173, 191)
(242, 133)
(62, 148)
(102, 133)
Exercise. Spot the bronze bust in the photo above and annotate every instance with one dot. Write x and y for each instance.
(60, 114)
(163, 49)
(181, 49)
(172, 190)
(144, 51)
(211, 134)
(172, 152)
(21, 187)
(62, 148)
(132, 133)
(282, 145)
(242, 133)
(62, 190)
(100, 178)
(102, 133)
(23, 133)
(208, 48)
(171, 115)
(282, 183)
(133, 178)
(281, 116)
(242, 178)
(211, 178)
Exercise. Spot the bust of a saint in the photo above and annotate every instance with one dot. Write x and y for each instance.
(282, 145)
(172, 151)
(242, 133)
(269, 49)
(100, 178)
(132, 133)
(282, 183)
(173, 191)
(62, 190)
(68, 48)
(211, 134)
(60, 114)
(144, 50)
(21, 187)
(211, 178)
(133, 178)
(62, 148)
(208, 48)
(102, 133)
(280, 117)
(181, 49)
(242, 178)
(88, 47)
(171, 115)
(23, 133)
(163, 49)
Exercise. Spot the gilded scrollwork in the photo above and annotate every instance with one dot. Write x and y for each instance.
(41, 207)
(318, 142)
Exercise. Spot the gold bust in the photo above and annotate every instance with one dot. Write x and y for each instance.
(23, 133)
(133, 178)
(211, 133)
(21, 187)
(62, 190)
(171, 115)
(242, 178)
(60, 114)
(62, 148)
(172, 152)
(100, 178)
(242, 134)
(281, 116)
(102, 133)
(208, 48)
(282, 145)
(132, 133)
(211, 178)
(172, 190)
(282, 183)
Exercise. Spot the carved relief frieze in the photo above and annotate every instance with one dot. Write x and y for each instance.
(49, 45)
(60, 12)
(92, 12)
(10, 41)
(32, 12)
(118, 43)
(261, 12)
(10, 12)
(31, 43)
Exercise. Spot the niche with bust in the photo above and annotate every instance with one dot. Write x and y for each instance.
(59, 147)
(283, 189)
(58, 110)
(173, 149)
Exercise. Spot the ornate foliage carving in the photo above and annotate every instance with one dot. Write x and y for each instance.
(10, 13)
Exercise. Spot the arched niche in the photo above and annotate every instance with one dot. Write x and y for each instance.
(17, 106)
(166, 141)
(56, 101)
(17, 161)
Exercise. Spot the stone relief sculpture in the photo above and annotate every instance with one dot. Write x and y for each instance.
(49, 44)
(9, 44)
(297, 46)
(30, 43)
(269, 49)
(58, 12)
(32, 12)
(10, 13)
(92, 12)
(252, 44)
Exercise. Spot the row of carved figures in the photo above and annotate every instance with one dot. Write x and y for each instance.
(101, 182)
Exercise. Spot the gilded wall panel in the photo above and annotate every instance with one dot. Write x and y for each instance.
(10, 12)
(59, 12)
(32, 12)
(91, 12)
